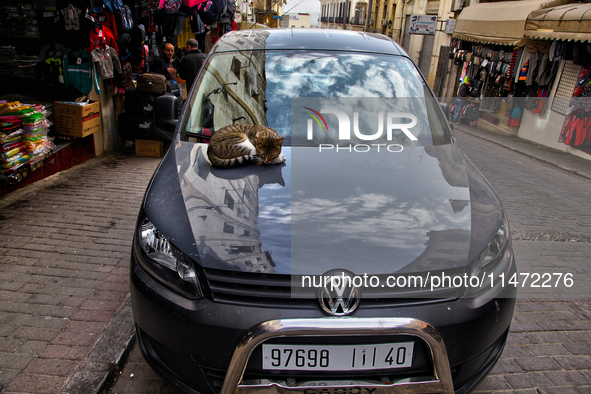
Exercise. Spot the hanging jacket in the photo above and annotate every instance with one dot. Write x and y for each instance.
(77, 71)
(53, 74)
(101, 36)
(106, 61)
(107, 19)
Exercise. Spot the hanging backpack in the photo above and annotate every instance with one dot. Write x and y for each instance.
(138, 37)
(193, 3)
(124, 45)
(196, 24)
(112, 5)
(211, 16)
(126, 77)
(97, 6)
(123, 19)
(231, 9)
(229, 12)
(170, 6)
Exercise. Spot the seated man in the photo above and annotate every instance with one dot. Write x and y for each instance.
(164, 64)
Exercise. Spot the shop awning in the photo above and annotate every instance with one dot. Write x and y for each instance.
(500, 23)
(570, 22)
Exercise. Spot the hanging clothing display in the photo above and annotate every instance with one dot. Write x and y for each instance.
(77, 71)
(74, 19)
(107, 61)
(101, 36)
(107, 20)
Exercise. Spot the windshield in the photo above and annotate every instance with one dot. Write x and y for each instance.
(271, 88)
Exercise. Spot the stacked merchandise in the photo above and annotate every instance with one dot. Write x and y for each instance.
(12, 147)
(23, 139)
(35, 126)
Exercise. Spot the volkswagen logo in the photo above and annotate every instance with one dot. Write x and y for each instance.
(339, 297)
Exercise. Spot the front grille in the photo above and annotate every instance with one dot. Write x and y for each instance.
(247, 288)
(275, 290)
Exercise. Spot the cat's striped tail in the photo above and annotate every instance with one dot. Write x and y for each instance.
(228, 163)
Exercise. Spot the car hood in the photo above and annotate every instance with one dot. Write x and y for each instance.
(422, 209)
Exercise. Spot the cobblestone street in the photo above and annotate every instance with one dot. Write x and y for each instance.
(65, 319)
(549, 347)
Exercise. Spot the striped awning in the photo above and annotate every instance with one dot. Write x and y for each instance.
(500, 23)
(570, 22)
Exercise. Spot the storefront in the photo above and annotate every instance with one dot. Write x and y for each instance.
(85, 52)
(565, 123)
(508, 72)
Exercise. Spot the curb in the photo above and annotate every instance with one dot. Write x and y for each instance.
(98, 372)
(532, 156)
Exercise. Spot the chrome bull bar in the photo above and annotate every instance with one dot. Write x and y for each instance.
(440, 382)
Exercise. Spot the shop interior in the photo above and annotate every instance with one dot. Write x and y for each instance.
(70, 70)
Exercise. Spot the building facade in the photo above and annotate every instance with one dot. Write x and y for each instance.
(297, 20)
(339, 14)
(485, 41)
(267, 12)
(394, 18)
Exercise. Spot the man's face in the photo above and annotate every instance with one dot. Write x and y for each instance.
(168, 51)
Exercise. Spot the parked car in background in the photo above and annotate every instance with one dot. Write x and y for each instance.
(374, 260)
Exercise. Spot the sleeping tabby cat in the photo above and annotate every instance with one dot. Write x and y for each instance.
(238, 143)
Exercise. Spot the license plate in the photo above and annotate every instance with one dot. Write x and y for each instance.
(337, 357)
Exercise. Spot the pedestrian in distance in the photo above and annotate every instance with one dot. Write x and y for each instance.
(191, 63)
(460, 102)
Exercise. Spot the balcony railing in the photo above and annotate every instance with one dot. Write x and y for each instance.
(358, 21)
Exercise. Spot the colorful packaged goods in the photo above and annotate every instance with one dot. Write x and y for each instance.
(23, 138)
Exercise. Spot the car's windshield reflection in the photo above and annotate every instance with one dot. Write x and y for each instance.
(257, 87)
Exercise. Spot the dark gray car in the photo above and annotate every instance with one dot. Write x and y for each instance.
(376, 259)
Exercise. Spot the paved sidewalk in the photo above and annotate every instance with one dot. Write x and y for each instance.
(566, 161)
(65, 317)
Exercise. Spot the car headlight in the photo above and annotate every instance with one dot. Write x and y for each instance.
(492, 261)
(165, 262)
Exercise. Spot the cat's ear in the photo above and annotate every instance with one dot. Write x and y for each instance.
(280, 140)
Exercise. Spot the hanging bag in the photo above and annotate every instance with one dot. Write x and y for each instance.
(126, 75)
(170, 6)
(213, 14)
(112, 5)
(151, 83)
(193, 3)
(123, 19)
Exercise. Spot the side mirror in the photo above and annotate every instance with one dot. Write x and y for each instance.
(166, 109)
